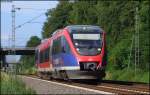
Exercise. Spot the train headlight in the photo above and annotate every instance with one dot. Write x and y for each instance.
(77, 49)
(76, 44)
(99, 49)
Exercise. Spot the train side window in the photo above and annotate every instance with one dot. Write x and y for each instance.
(65, 44)
(41, 57)
(44, 56)
(53, 47)
(47, 54)
(59, 45)
(50, 51)
(62, 44)
(38, 57)
(56, 48)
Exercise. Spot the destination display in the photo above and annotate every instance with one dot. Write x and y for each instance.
(86, 36)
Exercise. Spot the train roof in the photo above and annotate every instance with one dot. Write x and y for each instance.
(76, 28)
(83, 28)
(72, 26)
(56, 31)
(44, 44)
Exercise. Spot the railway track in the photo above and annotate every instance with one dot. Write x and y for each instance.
(117, 87)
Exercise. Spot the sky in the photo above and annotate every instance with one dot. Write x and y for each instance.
(28, 10)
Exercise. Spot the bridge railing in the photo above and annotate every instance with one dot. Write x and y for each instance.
(16, 47)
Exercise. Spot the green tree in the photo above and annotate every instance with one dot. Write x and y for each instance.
(33, 42)
(83, 13)
(117, 18)
(56, 18)
(28, 61)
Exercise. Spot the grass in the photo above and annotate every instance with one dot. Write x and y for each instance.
(29, 71)
(10, 84)
(128, 75)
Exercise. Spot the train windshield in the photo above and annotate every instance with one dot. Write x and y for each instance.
(87, 43)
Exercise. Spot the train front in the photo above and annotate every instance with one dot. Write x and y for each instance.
(89, 49)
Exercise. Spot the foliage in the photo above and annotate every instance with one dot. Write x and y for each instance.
(28, 61)
(117, 18)
(33, 42)
(56, 18)
(128, 75)
(13, 85)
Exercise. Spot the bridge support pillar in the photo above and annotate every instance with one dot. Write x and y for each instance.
(3, 61)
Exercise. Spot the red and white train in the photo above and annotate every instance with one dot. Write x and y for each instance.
(75, 52)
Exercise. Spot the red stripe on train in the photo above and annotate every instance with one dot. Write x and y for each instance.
(44, 65)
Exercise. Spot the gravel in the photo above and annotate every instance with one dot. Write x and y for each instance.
(45, 87)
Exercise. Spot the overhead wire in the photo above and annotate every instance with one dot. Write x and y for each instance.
(29, 21)
(33, 9)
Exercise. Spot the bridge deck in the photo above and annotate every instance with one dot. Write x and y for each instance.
(18, 51)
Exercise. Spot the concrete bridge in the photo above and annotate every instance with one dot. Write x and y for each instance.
(17, 51)
(14, 51)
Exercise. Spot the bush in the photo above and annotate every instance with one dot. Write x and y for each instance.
(28, 71)
(11, 84)
(128, 75)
